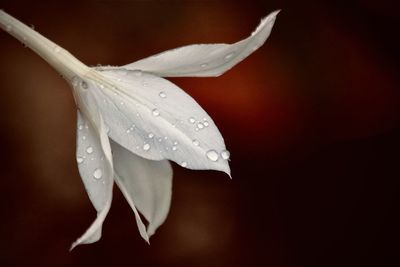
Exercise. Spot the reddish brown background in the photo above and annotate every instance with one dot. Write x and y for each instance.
(311, 120)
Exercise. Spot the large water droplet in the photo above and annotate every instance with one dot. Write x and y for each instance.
(89, 150)
(162, 94)
(225, 154)
(184, 164)
(196, 142)
(79, 160)
(212, 155)
(98, 173)
(146, 147)
(155, 112)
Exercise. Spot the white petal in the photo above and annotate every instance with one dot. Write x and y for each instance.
(146, 183)
(95, 166)
(156, 120)
(205, 59)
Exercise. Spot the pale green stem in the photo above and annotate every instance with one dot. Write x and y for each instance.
(66, 64)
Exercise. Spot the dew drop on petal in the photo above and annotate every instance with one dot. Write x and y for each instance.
(146, 147)
(84, 85)
(192, 120)
(137, 73)
(200, 125)
(184, 164)
(83, 137)
(98, 173)
(79, 160)
(204, 65)
(206, 123)
(196, 142)
(212, 155)
(225, 154)
(89, 150)
(174, 148)
(230, 55)
(80, 127)
(162, 94)
(155, 112)
(151, 135)
(56, 49)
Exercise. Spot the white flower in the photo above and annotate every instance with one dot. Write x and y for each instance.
(131, 121)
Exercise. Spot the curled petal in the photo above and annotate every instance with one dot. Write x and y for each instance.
(203, 60)
(144, 183)
(93, 157)
(156, 120)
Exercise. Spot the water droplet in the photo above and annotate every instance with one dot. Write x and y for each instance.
(155, 112)
(196, 142)
(192, 120)
(184, 164)
(212, 155)
(200, 125)
(206, 123)
(174, 148)
(204, 65)
(230, 55)
(160, 139)
(79, 160)
(83, 137)
(225, 154)
(137, 73)
(84, 85)
(89, 150)
(196, 129)
(146, 147)
(128, 130)
(57, 49)
(176, 143)
(162, 95)
(80, 127)
(151, 135)
(8, 28)
(98, 173)
(122, 103)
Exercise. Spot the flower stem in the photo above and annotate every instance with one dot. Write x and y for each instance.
(66, 64)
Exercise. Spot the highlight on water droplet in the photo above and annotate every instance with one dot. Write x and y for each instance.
(230, 55)
(200, 125)
(225, 154)
(80, 127)
(196, 142)
(146, 147)
(155, 112)
(162, 94)
(89, 150)
(184, 164)
(151, 135)
(192, 120)
(204, 65)
(98, 173)
(212, 155)
(79, 160)
(174, 148)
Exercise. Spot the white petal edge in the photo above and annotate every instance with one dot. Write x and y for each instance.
(202, 60)
(94, 162)
(146, 183)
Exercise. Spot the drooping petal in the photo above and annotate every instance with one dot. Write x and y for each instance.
(95, 165)
(144, 183)
(156, 120)
(205, 59)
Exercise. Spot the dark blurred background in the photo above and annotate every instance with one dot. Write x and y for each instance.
(311, 120)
